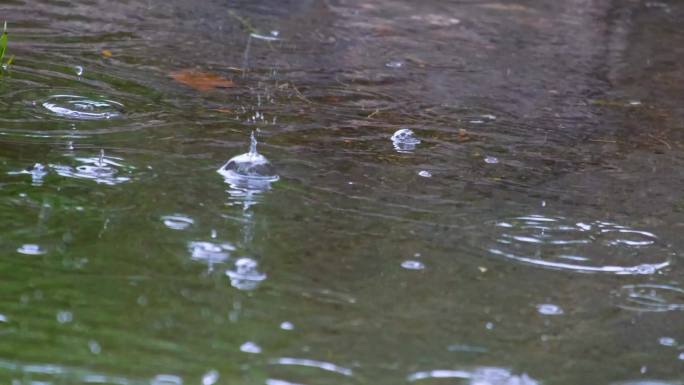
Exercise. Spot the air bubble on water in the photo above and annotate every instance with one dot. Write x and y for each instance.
(404, 140)
(413, 265)
(549, 309)
(245, 274)
(489, 326)
(64, 316)
(31, 249)
(425, 174)
(667, 341)
(681, 356)
(78, 70)
(94, 347)
(3, 318)
(286, 325)
(250, 347)
(491, 160)
(394, 64)
(210, 377)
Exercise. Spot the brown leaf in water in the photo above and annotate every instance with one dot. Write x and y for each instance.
(201, 81)
(106, 53)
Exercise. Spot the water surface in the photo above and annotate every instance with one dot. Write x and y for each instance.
(528, 232)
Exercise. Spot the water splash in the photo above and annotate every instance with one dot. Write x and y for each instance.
(248, 175)
(81, 108)
(250, 170)
(101, 169)
(245, 274)
(579, 246)
(404, 140)
(37, 173)
(209, 252)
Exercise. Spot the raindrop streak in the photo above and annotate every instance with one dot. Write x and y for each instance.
(583, 247)
(650, 298)
(244, 275)
(477, 376)
(312, 364)
(404, 140)
(78, 107)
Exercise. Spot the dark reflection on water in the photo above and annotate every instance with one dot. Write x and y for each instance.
(529, 232)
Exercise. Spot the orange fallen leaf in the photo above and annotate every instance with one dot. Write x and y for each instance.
(201, 81)
(223, 110)
(106, 53)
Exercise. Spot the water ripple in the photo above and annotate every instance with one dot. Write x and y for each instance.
(477, 376)
(101, 169)
(650, 298)
(327, 366)
(580, 246)
(79, 107)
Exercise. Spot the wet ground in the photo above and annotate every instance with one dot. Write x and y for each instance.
(528, 232)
